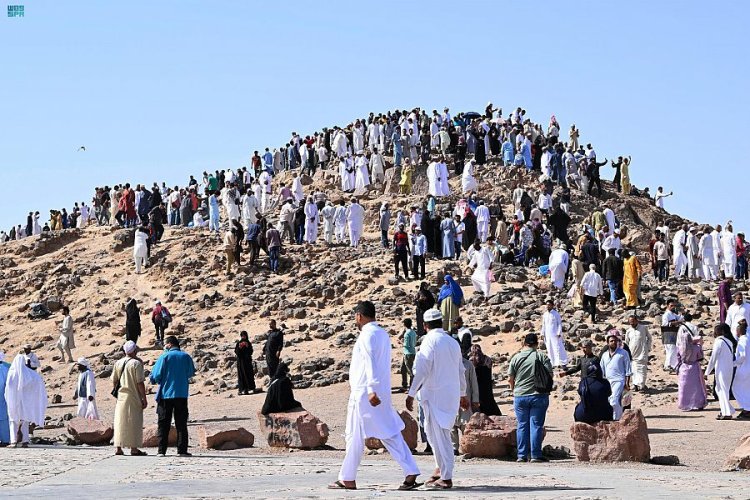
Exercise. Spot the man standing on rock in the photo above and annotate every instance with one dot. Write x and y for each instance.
(440, 380)
(369, 416)
(173, 371)
(639, 341)
(273, 347)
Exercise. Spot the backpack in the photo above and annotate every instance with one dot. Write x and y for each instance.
(165, 316)
(542, 378)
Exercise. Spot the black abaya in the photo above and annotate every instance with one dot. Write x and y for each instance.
(245, 374)
(470, 230)
(132, 321)
(487, 404)
(280, 397)
(480, 155)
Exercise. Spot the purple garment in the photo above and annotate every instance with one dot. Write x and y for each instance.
(691, 390)
(725, 300)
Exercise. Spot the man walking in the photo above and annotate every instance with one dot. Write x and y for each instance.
(410, 352)
(529, 404)
(66, 342)
(370, 411)
(616, 369)
(439, 378)
(639, 342)
(173, 371)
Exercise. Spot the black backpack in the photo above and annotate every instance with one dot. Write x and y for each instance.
(542, 378)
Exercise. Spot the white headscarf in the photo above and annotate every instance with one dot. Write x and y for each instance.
(129, 347)
(25, 393)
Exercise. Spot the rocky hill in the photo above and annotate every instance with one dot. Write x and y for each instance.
(91, 270)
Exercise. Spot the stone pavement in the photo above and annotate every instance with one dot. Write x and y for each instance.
(82, 472)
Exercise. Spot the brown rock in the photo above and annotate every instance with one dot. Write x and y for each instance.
(151, 436)
(224, 437)
(489, 436)
(622, 441)
(295, 429)
(740, 458)
(410, 433)
(91, 432)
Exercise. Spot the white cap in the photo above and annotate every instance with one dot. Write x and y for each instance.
(129, 347)
(83, 362)
(432, 315)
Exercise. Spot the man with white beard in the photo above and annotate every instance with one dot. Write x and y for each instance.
(483, 221)
(361, 175)
(552, 333)
(339, 220)
(679, 246)
(250, 207)
(355, 218)
(329, 214)
(377, 165)
(728, 252)
(468, 181)
(440, 383)
(264, 179)
(707, 257)
(346, 172)
(370, 412)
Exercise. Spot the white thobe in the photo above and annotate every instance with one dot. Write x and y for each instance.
(716, 238)
(355, 217)
(734, 314)
(340, 144)
(86, 408)
(377, 167)
(249, 209)
(728, 243)
(483, 222)
(358, 139)
(670, 360)
(468, 182)
(616, 368)
(434, 130)
(741, 383)
(558, 266)
(339, 220)
(610, 216)
(708, 259)
(481, 278)
(553, 339)
(433, 181)
(346, 172)
(361, 176)
(370, 372)
(722, 362)
(329, 213)
(297, 191)
(440, 380)
(233, 211)
(140, 249)
(373, 135)
(26, 398)
(680, 259)
(639, 342)
(311, 222)
(442, 169)
(265, 183)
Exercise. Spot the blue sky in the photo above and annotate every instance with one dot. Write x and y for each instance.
(159, 90)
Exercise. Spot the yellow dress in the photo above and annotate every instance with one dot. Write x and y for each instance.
(405, 184)
(625, 178)
(633, 271)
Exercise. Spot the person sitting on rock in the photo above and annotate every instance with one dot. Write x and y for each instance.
(595, 392)
(280, 395)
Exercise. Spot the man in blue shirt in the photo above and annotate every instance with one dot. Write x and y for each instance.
(173, 371)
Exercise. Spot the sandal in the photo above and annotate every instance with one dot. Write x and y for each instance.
(339, 485)
(441, 485)
(139, 453)
(118, 453)
(432, 479)
(409, 486)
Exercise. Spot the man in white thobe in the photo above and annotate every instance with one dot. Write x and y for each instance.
(355, 218)
(377, 166)
(553, 337)
(346, 172)
(737, 312)
(716, 237)
(440, 383)
(693, 257)
(679, 251)
(339, 221)
(722, 362)
(250, 207)
(329, 214)
(361, 175)
(610, 216)
(481, 278)
(86, 391)
(297, 191)
(672, 319)
(433, 180)
(483, 221)
(26, 398)
(616, 369)
(558, 266)
(639, 341)
(311, 220)
(707, 257)
(468, 182)
(373, 136)
(370, 412)
(442, 169)
(728, 250)
(264, 179)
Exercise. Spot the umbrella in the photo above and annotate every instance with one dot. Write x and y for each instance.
(471, 115)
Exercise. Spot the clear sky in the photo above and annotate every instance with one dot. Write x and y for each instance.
(158, 90)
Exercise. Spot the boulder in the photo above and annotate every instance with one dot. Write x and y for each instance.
(410, 433)
(622, 441)
(151, 436)
(740, 458)
(295, 429)
(489, 436)
(91, 432)
(224, 437)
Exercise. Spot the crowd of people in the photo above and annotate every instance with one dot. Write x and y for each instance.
(443, 367)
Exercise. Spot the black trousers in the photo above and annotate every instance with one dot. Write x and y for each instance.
(400, 256)
(165, 408)
(160, 327)
(598, 182)
(589, 305)
(417, 261)
(273, 364)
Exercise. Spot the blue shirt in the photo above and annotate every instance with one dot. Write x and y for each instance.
(507, 150)
(172, 372)
(268, 159)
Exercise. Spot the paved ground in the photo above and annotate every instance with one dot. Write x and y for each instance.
(75, 472)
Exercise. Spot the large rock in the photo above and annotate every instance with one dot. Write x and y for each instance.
(410, 433)
(740, 458)
(151, 436)
(92, 432)
(295, 429)
(622, 441)
(224, 437)
(489, 436)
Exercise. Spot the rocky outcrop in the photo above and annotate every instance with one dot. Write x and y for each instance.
(296, 429)
(151, 436)
(623, 441)
(740, 457)
(224, 437)
(91, 432)
(410, 433)
(489, 437)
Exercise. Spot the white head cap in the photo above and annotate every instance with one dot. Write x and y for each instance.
(129, 347)
(432, 315)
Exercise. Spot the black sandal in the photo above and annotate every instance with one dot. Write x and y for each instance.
(409, 486)
(339, 485)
